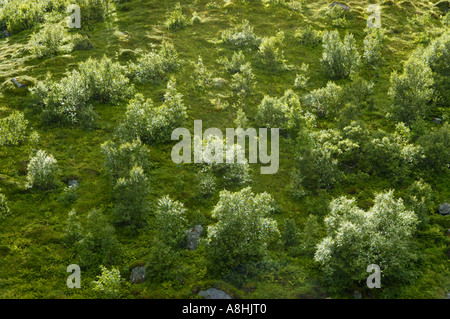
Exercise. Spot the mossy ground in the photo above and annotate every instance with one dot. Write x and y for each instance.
(33, 259)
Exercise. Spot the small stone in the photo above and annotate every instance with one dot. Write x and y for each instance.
(213, 293)
(137, 275)
(73, 183)
(444, 209)
(343, 6)
(192, 237)
(357, 294)
(437, 120)
(18, 84)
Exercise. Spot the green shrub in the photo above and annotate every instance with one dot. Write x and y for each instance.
(4, 208)
(340, 58)
(373, 46)
(337, 16)
(243, 82)
(52, 39)
(411, 92)
(234, 65)
(436, 146)
(176, 19)
(109, 282)
(42, 171)
(270, 55)
(120, 159)
(130, 194)
(154, 125)
(241, 36)
(98, 243)
(73, 229)
(13, 129)
(170, 222)
(327, 100)
(206, 182)
(242, 231)
(154, 66)
(308, 36)
(301, 80)
(349, 246)
(18, 15)
(202, 78)
(68, 100)
(93, 11)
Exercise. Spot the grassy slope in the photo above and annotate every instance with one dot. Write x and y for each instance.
(33, 261)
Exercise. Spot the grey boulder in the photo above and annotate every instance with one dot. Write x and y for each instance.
(213, 293)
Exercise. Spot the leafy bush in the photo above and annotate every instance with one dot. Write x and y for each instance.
(308, 36)
(436, 146)
(373, 45)
(241, 36)
(411, 91)
(234, 65)
(349, 247)
(202, 78)
(243, 82)
(98, 243)
(13, 129)
(154, 125)
(42, 171)
(243, 229)
(337, 16)
(170, 222)
(176, 19)
(120, 159)
(340, 58)
(18, 15)
(49, 40)
(94, 11)
(130, 194)
(4, 208)
(73, 229)
(67, 100)
(301, 80)
(109, 282)
(269, 53)
(284, 112)
(154, 66)
(327, 100)
(420, 199)
(206, 182)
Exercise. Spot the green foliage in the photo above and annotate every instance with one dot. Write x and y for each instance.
(373, 46)
(67, 100)
(290, 234)
(327, 100)
(308, 35)
(52, 39)
(310, 236)
(241, 119)
(269, 53)
(98, 243)
(93, 11)
(153, 66)
(337, 16)
(243, 229)
(130, 194)
(154, 125)
(73, 229)
(340, 58)
(13, 129)
(234, 65)
(243, 82)
(4, 208)
(206, 182)
(240, 36)
(411, 91)
(436, 146)
(202, 78)
(170, 222)
(284, 112)
(18, 15)
(420, 199)
(161, 262)
(121, 158)
(176, 19)
(382, 235)
(109, 282)
(301, 80)
(42, 171)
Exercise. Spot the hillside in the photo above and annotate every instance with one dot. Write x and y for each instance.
(362, 112)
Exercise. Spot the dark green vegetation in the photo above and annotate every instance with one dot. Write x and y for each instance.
(348, 129)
